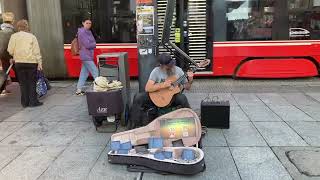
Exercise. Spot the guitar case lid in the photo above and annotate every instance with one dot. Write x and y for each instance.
(182, 124)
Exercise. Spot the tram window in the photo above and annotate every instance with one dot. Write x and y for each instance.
(304, 19)
(249, 20)
(113, 20)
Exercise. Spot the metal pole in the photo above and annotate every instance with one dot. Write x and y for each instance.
(147, 38)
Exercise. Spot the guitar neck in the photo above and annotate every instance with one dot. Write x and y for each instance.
(180, 80)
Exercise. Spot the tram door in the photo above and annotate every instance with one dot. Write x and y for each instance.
(190, 29)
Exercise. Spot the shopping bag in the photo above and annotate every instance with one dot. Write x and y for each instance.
(41, 86)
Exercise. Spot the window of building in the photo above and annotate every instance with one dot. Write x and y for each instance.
(304, 19)
(113, 20)
(249, 20)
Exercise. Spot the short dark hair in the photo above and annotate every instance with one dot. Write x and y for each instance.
(86, 19)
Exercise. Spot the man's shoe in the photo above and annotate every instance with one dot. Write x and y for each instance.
(37, 104)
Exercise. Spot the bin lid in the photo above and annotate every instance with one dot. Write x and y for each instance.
(105, 55)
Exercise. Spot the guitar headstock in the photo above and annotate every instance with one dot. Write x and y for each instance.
(204, 63)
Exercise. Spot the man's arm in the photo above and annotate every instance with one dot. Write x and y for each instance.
(187, 85)
(151, 86)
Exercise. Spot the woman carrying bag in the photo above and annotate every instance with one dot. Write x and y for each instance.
(24, 48)
(87, 44)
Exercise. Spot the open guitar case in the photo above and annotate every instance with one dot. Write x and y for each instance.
(167, 145)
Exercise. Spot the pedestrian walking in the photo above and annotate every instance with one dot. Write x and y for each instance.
(87, 44)
(6, 30)
(24, 48)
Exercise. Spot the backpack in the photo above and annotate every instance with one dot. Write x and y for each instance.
(75, 46)
(4, 41)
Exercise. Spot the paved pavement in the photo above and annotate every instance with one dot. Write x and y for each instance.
(274, 134)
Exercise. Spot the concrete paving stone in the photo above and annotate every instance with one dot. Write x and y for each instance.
(62, 134)
(7, 128)
(243, 134)
(58, 113)
(273, 99)
(237, 114)
(73, 163)
(260, 113)
(312, 111)
(81, 110)
(28, 115)
(247, 99)
(315, 96)
(196, 98)
(308, 162)
(76, 113)
(6, 113)
(62, 84)
(31, 163)
(78, 118)
(309, 131)
(74, 100)
(279, 134)
(219, 166)
(29, 133)
(258, 163)
(38, 110)
(9, 153)
(281, 153)
(56, 99)
(90, 137)
(290, 113)
(299, 99)
(214, 137)
(103, 170)
(225, 97)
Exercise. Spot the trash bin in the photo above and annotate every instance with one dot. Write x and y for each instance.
(115, 66)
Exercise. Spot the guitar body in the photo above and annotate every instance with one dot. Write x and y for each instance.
(163, 97)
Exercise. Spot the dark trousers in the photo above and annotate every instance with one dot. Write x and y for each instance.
(27, 79)
(5, 66)
(143, 106)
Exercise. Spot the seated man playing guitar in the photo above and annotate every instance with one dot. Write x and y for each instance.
(161, 90)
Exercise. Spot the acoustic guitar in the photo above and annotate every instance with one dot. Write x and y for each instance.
(163, 97)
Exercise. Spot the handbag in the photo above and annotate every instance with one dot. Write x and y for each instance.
(75, 47)
(41, 86)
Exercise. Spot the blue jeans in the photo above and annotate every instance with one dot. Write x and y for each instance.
(87, 66)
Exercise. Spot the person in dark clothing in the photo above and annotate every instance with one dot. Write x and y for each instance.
(6, 30)
(157, 80)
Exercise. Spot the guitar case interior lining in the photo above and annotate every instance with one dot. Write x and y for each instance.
(169, 138)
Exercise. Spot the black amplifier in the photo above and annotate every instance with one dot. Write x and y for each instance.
(215, 113)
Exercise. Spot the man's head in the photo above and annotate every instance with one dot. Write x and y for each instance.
(8, 17)
(166, 62)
